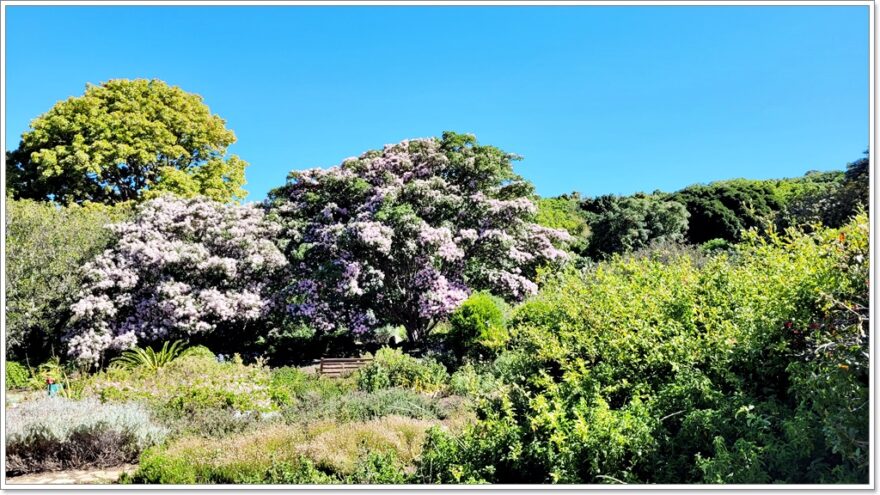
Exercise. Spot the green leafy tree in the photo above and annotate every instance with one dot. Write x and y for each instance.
(624, 224)
(722, 210)
(125, 140)
(46, 245)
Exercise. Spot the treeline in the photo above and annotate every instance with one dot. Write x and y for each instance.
(711, 215)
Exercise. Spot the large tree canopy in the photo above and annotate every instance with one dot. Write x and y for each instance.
(124, 140)
(722, 210)
(624, 224)
(402, 235)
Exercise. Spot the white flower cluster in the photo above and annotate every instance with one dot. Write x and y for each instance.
(180, 267)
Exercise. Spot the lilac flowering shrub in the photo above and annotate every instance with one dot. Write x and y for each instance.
(182, 268)
(402, 236)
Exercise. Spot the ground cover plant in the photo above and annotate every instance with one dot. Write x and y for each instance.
(57, 433)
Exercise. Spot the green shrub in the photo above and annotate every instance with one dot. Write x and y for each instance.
(199, 351)
(148, 357)
(379, 469)
(750, 368)
(477, 328)
(290, 385)
(392, 368)
(469, 381)
(17, 376)
(56, 433)
(209, 422)
(715, 245)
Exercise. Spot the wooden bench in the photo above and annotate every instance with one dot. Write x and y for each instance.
(336, 367)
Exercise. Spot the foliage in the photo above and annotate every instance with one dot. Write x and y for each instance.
(56, 433)
(290, 385)
(363, 406)
(713, 245)
(64, 374)
(148, 358)
(623, 224)
(199, 351)
(749, 369)
(123, 140)
(477, 327)
(564, 212)
(472, 380)
(46, 245)
(191, 387)
(324, 452)
(400, 236)
(392, 368)
(17, 376)
(188, 269)
(379, 469)
(722, 210)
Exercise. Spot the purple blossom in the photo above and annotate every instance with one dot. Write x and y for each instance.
(423, 226)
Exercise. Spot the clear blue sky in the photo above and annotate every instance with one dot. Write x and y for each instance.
(597, 99)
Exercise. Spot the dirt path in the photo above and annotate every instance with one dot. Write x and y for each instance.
(73, 477)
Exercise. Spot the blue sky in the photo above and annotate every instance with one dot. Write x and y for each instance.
(597, 99)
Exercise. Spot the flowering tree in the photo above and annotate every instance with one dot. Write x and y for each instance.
(401, 236)
(181, 268)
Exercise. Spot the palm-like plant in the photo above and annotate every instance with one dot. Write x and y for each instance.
(148, 357)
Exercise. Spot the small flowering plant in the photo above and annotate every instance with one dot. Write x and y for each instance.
(180, 268)
(402, 236)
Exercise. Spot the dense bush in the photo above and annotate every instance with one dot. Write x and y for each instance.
(198, 351)
(722, 210)
(623, 224)
(46, 246)
(392, 368)
(477, 329)
(473, 380)
(400, 236)
(750, 369)
(192, 269)
(56, 433)
(17, 376)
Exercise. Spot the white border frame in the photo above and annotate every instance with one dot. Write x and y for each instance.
(453, 3)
